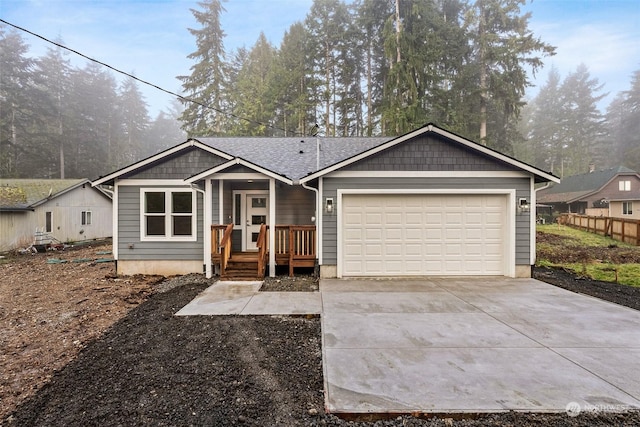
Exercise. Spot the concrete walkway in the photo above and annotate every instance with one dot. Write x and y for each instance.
(226, 298)
(458, 345)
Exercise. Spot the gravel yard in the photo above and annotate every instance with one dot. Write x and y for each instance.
(137, 364)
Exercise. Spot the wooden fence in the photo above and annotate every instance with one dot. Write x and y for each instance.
(624, 230)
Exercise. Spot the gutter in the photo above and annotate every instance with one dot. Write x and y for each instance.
(318, 219)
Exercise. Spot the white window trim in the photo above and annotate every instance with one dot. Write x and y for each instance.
(86, 218)
(624, 185)
(194, 214)
(627, 205)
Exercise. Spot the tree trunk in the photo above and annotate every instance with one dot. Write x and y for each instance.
(483, 75)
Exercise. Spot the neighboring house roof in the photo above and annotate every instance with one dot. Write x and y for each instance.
(577, 187)
(26, 194)
(301, 159)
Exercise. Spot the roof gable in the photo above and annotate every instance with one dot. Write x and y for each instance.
(428, 152)
(24, 194)
(575, 187)
(158, 158)
(448, 138)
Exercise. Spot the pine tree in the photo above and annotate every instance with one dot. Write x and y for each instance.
(503, 46)
(207, 83)
(17, 103)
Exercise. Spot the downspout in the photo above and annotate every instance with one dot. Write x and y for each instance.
(204, 231)
(318, 220)
(534, 201)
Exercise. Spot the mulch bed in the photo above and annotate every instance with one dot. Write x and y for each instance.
(154, 369)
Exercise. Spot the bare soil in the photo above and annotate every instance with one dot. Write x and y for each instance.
(80, 347)
(563, 250)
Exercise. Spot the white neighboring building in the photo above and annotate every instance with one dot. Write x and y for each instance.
(69, 210)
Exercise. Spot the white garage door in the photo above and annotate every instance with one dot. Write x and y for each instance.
(386, 235)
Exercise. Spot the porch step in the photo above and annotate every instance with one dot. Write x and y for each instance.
(241, 267)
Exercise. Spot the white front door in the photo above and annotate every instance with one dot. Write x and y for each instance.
(257, 213)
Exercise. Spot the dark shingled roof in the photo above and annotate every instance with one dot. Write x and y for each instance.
(577, 186)
(293, 157)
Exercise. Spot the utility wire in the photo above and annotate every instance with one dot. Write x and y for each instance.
(177, 95)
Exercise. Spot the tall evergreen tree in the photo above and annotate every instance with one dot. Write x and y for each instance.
(624, 120)
(135, 120)
(289, 83)
(371, 18)
(582, 121)
(503, 46)
(253, 105)
(17, 103)
(328, 22)
(54, 78)
(207, 83)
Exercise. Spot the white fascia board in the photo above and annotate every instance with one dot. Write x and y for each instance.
(428, 174)
(152, 182)
(242, 162)
(431, 128)
(169, 152)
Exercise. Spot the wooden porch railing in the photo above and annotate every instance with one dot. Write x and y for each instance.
(296, 246)
(221, 245)
(262, 244)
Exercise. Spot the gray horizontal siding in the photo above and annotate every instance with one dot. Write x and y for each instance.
(129, 232)
(331, 185)
(295, 205)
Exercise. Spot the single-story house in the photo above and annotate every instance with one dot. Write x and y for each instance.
(45, 210)
(591, 193)
(426, 203)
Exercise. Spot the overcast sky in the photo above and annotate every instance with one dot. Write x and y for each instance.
(150, 37)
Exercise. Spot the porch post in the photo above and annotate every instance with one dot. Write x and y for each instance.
(208, 220)
(272, 227)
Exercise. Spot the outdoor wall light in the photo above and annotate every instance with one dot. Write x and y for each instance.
(328, 205)
(523, 205)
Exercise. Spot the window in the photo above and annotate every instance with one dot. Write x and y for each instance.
(86, 218)
(168, 215)
(624, 185)
(627, 208)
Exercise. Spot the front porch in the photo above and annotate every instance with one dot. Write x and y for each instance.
(294, 246)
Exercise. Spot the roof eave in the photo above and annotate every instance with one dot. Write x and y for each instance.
(242, 162)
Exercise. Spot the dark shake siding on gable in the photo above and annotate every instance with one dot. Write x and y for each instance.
(129, 232)
(181, 166)
(428, 153)
(331, 185)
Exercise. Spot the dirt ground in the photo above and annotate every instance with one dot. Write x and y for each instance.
(79, 347)
(49, 312)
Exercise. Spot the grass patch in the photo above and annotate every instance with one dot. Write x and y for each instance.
(588, 254)
(581, 238)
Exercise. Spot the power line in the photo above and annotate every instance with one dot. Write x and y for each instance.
(177, 95)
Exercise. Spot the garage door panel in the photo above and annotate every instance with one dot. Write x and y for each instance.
(423, 234)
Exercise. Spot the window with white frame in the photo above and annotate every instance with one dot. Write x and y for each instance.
(167, 215)
(85, 218)
(627, 208)
(624, 185)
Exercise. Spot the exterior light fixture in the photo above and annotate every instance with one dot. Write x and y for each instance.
(523, 205)
(328, 205)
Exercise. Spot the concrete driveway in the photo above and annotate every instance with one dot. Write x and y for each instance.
(475, 345)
